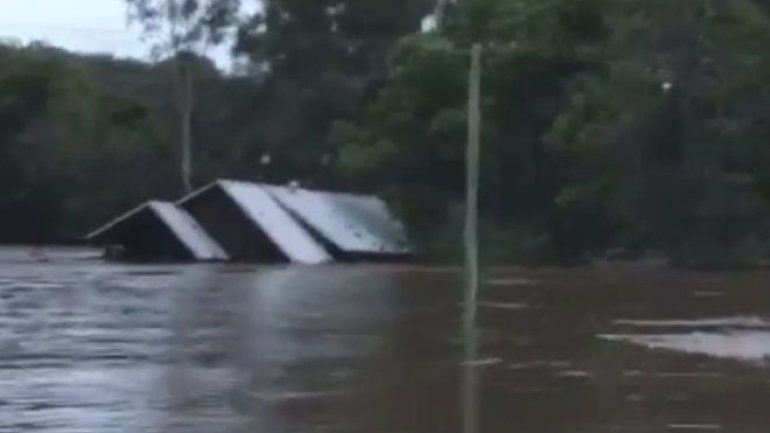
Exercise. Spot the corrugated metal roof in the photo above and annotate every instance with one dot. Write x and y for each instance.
(187, 231)
(297, 221)
(282, 229)
(354, 223)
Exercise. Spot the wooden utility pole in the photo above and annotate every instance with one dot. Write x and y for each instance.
(470, 404)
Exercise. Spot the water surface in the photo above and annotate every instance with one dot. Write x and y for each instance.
(93, 347)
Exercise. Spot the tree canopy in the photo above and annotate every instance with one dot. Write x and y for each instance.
(632, 125)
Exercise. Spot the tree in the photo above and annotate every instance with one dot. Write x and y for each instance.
(320, 62)
(183, 29)
(629, 123)
(633, 124)
(85, 138)
(665, 133)
(412, 137)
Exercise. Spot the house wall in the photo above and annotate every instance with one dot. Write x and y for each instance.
(223, 219)
(145, 238)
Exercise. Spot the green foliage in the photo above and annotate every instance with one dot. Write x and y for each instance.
(321, 62)
(85, 138)
(183, 25)
(638, 125)
(665, 123)
(607, 124)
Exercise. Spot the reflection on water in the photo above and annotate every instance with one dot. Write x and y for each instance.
(90, 347)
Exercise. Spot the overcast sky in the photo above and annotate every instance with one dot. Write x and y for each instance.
(91, 26)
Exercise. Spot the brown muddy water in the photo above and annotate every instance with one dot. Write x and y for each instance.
(92, 347)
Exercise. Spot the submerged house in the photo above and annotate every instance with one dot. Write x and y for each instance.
(251, 226)
(249, 222)
(351, 227)
(159, 231)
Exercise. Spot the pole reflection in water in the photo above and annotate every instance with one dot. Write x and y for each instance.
(470, 397)
(310, 332)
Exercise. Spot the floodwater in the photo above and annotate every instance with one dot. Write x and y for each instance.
(93, 347)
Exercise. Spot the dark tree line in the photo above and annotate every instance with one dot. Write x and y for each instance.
(631, 125)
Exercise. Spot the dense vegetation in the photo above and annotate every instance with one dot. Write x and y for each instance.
(633, 125)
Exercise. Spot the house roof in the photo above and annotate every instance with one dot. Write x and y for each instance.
(301, 223)
(353, 223)
(276, 222)
(357, 224)
(186, 230)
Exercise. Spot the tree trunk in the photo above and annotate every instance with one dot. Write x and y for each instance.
(186, 108)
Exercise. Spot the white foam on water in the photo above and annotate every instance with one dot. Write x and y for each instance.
(501, 305)
(511, 282)
(521, 366)
(282, 397)
(705, 294)
(751, 346)
(672, 375)
(482, 362)
(695, 427)
(741, 321)
(574, 374)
